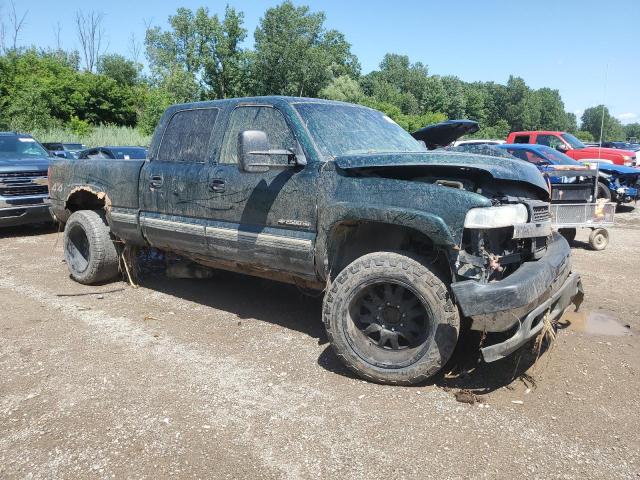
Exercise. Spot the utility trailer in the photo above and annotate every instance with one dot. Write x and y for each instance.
(575, 204)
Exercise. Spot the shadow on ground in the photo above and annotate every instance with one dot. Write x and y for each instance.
(289, 307)
(249, 298)
(465, 370)
(28, 230)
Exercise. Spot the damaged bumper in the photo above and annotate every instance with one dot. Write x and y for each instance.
(519, 303)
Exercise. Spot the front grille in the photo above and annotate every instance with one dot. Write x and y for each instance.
(18, 191)
(540, 214)
(12, 175)
(19, 184)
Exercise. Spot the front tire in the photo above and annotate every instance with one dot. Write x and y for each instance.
(391, 319)
(89, 251)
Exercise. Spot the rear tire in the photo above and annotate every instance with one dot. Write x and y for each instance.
(391, 319)
(89, 251)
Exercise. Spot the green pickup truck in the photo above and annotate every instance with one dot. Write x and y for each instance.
(409, 245)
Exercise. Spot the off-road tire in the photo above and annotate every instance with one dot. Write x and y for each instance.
(86, 234)
(444, 322)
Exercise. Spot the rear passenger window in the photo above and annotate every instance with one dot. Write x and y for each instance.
(187, 136)
(521, 139)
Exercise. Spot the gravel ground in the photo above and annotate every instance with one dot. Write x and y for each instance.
(232, 377)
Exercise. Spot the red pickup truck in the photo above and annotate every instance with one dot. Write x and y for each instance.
(571, 146)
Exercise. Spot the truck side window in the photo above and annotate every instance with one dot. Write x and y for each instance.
(549, 140)
(521, 139)
(267, 119)
(187, 136)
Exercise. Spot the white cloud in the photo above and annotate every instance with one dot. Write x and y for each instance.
(627, 117)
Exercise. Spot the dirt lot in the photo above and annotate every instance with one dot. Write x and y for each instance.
(232, 377)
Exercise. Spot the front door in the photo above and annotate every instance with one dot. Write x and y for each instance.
(267, 219)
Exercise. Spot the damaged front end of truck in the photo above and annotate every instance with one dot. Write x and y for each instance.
(508, 268)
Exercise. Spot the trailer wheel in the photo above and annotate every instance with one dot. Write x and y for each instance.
(568, 233)
(599, 239)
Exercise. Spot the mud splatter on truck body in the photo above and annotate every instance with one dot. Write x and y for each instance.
(299, 189)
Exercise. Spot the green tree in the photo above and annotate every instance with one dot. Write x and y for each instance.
(344, 89)
(225, 62)
(200, 56)
(154, 102)
(632, 130)
(572, 122)
(522, 109)
(295, 55)
(456, 100)
(552, 113)
(475, 103)
(595, 118)
(584, 136)
(122, 70)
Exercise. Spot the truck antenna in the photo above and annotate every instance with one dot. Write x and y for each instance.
(604, 99)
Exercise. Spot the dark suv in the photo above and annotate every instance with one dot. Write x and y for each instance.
(23, 180)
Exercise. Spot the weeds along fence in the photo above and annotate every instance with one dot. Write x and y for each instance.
(98, 136)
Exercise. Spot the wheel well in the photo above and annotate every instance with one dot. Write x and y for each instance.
(351, 240)
(86, 199)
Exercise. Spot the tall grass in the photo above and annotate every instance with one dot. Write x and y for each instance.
(99, 136)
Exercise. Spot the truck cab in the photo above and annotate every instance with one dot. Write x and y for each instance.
(568, 144)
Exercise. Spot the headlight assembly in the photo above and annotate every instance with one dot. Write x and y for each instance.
(496, 217)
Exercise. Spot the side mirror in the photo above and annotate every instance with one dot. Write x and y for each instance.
(562, 148)
(253, 147)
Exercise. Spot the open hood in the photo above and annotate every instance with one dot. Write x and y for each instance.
(500, 168)
(443, 133)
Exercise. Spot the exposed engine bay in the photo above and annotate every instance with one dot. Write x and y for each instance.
(490, 254)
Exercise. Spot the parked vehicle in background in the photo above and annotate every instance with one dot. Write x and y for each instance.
(334, 196)
(615, 182)
(120, 153)
(64, 150)
(477, 141)
(23, 180)
(442, 134)
(566, 143)
(622, 146)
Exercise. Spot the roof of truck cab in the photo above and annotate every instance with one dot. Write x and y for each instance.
(543, 132)
(270, 99)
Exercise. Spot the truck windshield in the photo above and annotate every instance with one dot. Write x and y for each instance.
(21, 148)
(350, 130)
(573, 141)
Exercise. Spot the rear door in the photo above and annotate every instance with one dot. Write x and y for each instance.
(175, 194)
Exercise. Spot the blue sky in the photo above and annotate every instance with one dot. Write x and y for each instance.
(565, 45)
